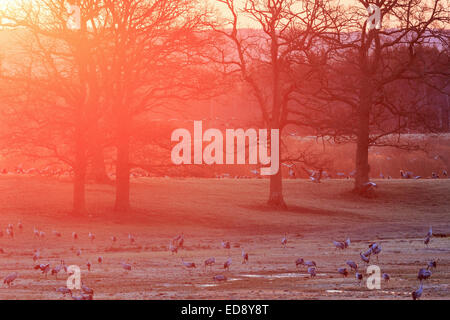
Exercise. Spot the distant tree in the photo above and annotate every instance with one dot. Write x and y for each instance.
(274, 59)
(54, 108)
(371, 75)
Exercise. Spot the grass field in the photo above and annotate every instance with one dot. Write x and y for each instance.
(208, 211)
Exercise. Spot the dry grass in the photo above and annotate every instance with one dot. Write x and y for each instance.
(208, 211)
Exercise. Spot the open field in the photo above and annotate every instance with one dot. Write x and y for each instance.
(208, 211)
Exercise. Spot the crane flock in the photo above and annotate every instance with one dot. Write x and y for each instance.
(177, 243)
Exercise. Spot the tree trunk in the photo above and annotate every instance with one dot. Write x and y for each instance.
(276, 199)
(123, 168)
(276, 191)
(362, 142)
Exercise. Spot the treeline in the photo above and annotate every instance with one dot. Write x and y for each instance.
(88, 93)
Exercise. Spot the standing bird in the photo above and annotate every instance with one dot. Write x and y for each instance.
(418, 293)
(113, 239)
(36, 232)
(424, 274)
(178, 240)
(100, 259)
(210, 262)
(220, 278)
(359, 277)
(339, 245)
(226, 245)
(299, 262)
(227, 264)
(428, 237)
(347, 243)
(432, 264)
(126, 266)
(284, 241)
(312, 271)
(181, 241)
(41, 234)
(45, 268)
(343, 271)
(10, 232)
(430, 232)
(189, 265)
(10, 279)
(376, 249)
(364, 258)
(91, 236)
(131, 238)
(57, 269)
(19, 225)
(88, 265)
(173, 248)
(36, 255)
(79, 252)
(74, 236)
(244, 257)
(352, 265)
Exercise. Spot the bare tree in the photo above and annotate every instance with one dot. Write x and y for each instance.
(369, 73)
(55, 71)
(274, 59)
(148, 63)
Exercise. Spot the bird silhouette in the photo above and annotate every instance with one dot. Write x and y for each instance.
(343, 271)
(227, 264)
(220, 278)
(339, 245)
(424, 274)
(244, 257)
(284, 241)
(364, 258)
(352, 265)
(432, 264)
(299, 262)
(9, 279)
(210, 262)
(189, 265)
(359, 277)
(226, 245)
(418, 293)
(126, 266)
